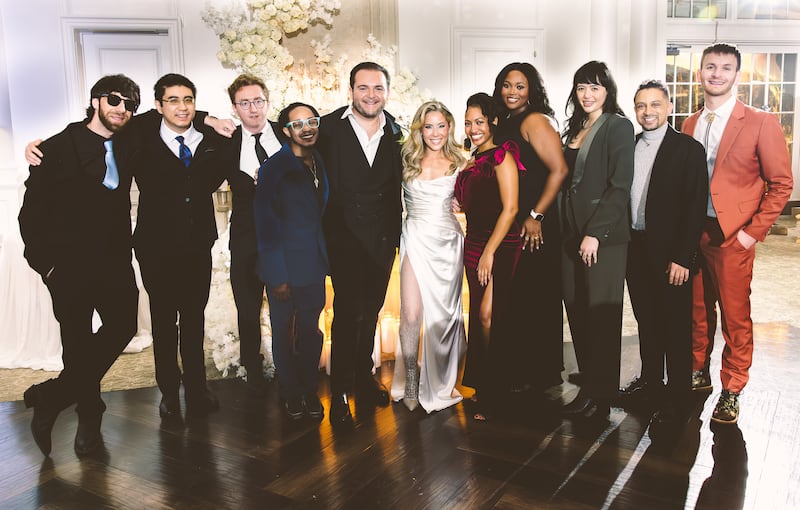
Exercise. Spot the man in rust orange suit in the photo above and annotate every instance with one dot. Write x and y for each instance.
(750, 181)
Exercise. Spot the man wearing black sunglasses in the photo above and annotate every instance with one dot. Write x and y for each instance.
(75, 221)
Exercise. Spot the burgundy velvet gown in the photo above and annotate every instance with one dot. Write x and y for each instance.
(478, 193)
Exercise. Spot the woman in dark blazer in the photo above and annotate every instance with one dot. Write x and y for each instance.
(289, 202)
(598, 148)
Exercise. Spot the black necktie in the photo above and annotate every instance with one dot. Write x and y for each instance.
(183, 152)
(261, 154)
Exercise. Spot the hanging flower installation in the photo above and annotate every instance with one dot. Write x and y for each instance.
(251, 36)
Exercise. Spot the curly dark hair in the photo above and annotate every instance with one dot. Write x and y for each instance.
(537, 95)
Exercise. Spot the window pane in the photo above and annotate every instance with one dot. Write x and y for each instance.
(681, 99)
(683, 9)
(774, 97)
(787, 98)
(789, 67)
(758, 98)
(697, 97)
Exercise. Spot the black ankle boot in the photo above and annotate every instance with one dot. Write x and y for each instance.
(44, 417)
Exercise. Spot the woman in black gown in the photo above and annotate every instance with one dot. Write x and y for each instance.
(535, 351)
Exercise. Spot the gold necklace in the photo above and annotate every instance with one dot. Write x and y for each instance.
(313, 169)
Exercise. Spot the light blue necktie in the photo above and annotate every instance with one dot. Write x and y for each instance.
(111, 179)
(183, 152)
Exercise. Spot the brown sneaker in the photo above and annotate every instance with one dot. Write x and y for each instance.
(727, 409)
(701, 381)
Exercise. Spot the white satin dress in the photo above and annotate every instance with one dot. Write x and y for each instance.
(433, 241)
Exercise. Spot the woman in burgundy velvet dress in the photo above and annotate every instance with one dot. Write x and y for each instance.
(487, 191)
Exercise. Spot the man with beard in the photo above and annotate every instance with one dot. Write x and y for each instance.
(292, 260)
(668, 203)
(75, 222)
(361, 150)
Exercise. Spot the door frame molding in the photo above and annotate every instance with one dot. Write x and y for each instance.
(72, 28)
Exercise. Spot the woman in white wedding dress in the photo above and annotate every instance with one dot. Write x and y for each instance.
(431, 265)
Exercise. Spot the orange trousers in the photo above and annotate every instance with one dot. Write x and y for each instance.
(724, 277)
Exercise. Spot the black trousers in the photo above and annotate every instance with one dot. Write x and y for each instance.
(359, 285)
(178, 284)
(248, 294)
(76, 293)
(664, 316)
(593, 299)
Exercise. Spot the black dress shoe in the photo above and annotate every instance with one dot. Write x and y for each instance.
(313, 406)
(200, 402)
(170, 407)
(88, 438)
(371, 392)
(294, 408)
(575, 378)
(637, 387)
(44, 417)
(577, 407)
(339, 413)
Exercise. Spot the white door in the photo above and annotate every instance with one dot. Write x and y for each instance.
(479, 54)
(142, 56)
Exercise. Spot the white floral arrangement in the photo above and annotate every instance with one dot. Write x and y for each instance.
(251, 36)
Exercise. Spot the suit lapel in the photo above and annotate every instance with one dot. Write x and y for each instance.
(583, 152)
(732, 130)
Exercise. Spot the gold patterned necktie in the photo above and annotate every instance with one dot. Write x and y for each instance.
(709, 118)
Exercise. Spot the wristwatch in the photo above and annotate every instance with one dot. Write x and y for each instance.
(537, 216)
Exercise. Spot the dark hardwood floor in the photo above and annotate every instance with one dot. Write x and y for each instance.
(248, 456)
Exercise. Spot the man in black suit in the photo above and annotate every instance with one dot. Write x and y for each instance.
(360, 146)
(75, 221)
(254, 141)
(668, 201)
(177, 168)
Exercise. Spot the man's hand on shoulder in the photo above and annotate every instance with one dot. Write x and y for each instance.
(32, 153)
(223, 127)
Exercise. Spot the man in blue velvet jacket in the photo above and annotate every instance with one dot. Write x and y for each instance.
(289, 202)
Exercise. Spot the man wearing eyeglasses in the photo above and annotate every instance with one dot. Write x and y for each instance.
(253, 142)
(292, 259)
(360, 146)
(177, 168)
(75, 221)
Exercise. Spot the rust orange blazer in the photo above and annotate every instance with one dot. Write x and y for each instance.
(752, 178)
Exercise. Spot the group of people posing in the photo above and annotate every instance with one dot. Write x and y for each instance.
(550, 217)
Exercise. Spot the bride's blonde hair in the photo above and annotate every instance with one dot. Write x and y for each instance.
(414, 147)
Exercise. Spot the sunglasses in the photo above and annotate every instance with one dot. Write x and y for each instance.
(115, 100)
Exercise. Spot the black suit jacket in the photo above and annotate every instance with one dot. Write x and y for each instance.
(596, 201)
(68, 218)
(176, 210)
(243, 230)
(365, 202)
(675, 209)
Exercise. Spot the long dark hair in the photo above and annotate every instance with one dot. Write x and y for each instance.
(537, 95)
(596, 73)
(490, 110)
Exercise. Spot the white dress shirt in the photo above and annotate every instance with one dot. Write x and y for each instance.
(368, 145)
(721, 116)
(248, 161)
(191, 138)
